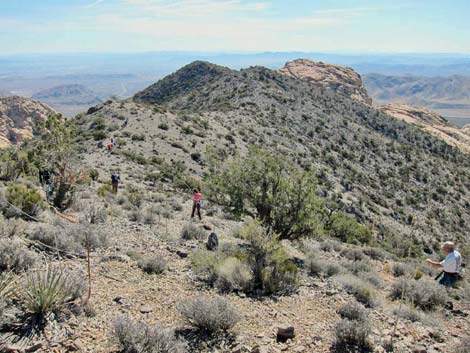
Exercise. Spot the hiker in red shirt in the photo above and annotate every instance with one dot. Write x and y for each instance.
(197, 196)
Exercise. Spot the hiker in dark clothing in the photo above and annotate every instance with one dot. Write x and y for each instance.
(197, 196)
(115, 179)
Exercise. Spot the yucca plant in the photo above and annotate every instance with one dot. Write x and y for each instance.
(7, 285)
(45, 291)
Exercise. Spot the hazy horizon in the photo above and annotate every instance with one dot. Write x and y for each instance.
(330, 26)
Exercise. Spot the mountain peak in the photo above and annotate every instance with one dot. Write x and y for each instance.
(190, 77)
(339, 78)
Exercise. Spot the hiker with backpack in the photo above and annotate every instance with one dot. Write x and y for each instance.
(450, 266)
(115, 179)
(197, 196)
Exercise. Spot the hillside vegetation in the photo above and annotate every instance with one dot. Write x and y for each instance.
(324, 209)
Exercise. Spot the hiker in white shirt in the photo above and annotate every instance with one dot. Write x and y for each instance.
(450, 265)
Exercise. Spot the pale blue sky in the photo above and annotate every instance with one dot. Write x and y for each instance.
(59, 26)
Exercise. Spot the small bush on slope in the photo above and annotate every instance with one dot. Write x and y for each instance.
(193, 232)
(352, 336)
(361, 290)
(209, 315)
(25, 200)
(424, 294)
(233, 274)
(316, 267)
(15, 256)
(153, 264)
(139, 337)
(353, 311)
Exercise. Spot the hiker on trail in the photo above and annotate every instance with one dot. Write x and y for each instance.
(197, 196)
(450, 266)
(115, 179)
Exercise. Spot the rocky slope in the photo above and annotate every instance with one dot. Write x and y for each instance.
(341, 79)
(430, 122)
(18, 118)
(378, 168)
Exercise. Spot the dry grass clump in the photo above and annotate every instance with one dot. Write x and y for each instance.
(330, 245)
(193, 232)
(317, 267)
(399, 269)
(209, 315)
(353, 311)
(375, 253)
(352, 254)
(362, 291)
(14, 256)
(352, 336)
(424, 294)
(69, 238)
(139, 337)
(153, 264)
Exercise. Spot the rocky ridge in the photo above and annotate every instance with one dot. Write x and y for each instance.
(430, 122)
(341, 79)
(18, 118)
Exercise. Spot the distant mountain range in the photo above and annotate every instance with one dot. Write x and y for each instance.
(450, 96)
(122, 75)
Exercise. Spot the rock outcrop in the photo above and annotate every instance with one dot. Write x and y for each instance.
(341, 79)
(430, 122)
(18, 118)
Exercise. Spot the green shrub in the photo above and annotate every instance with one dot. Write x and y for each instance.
(329, 245)
(93, 174)
(139, 337)
(268, 187)
(138, 137)
(163, 126)
(205, 264)
(134, 195)
(153, 264)
(273, 271)
(25, 200)
(347, 230)
(233, 274)
(375, 253)
(103, 190)
(209, 315)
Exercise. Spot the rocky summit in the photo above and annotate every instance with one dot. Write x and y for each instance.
(341, 79)
(18, 118)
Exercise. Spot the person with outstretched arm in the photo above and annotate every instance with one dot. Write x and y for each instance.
(197, 196)
(450, 266)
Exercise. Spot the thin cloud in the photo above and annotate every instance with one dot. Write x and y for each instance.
(93, 4)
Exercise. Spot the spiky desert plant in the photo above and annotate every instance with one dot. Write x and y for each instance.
(45, 291)
(7, 285)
